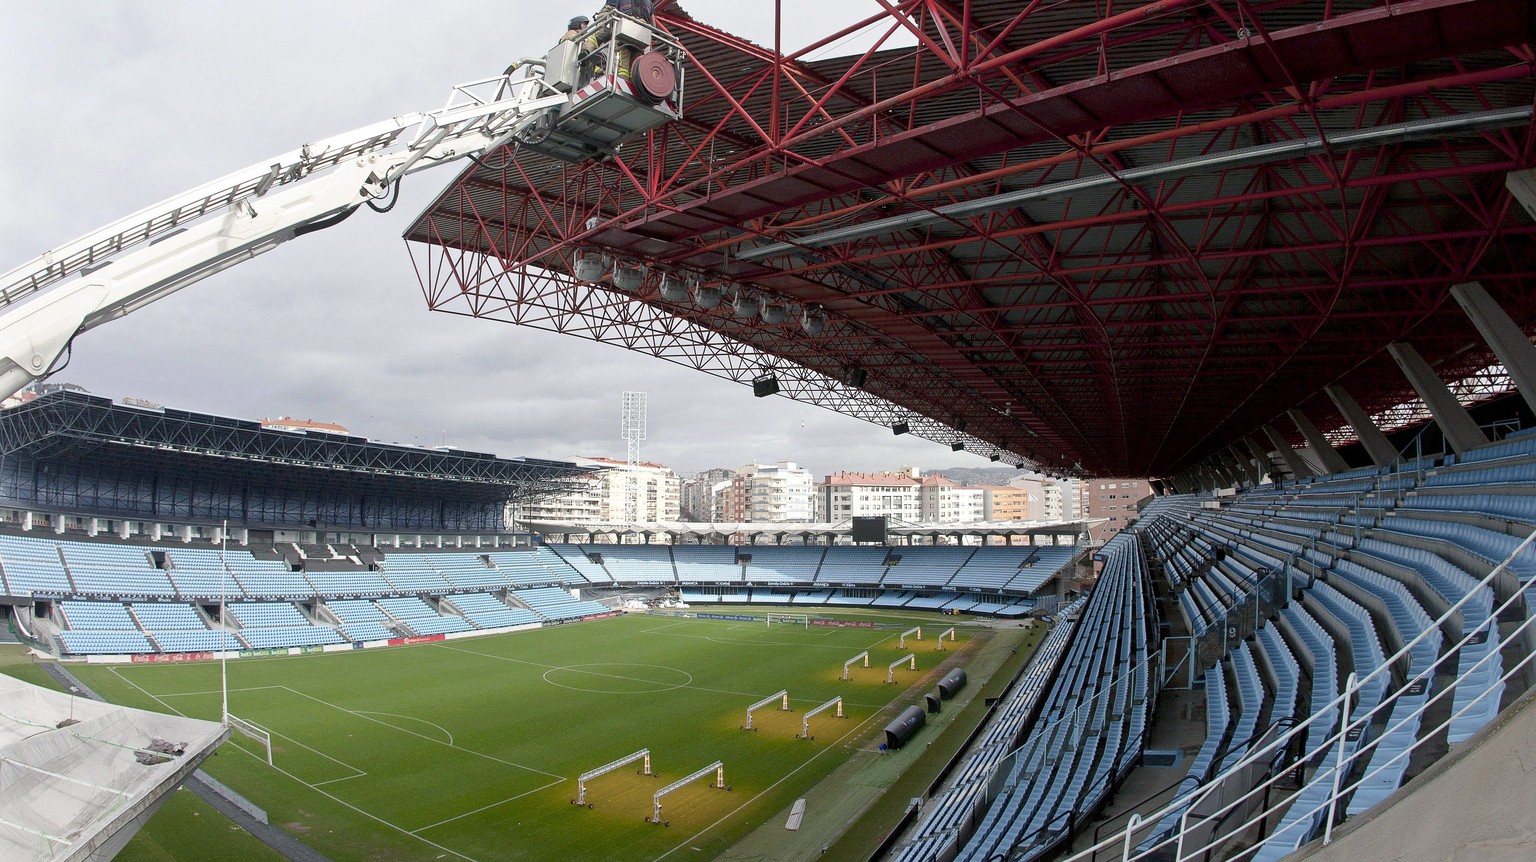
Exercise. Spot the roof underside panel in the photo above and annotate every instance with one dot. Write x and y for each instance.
(1105, 243)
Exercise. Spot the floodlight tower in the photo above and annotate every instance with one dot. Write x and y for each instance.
(632, 428)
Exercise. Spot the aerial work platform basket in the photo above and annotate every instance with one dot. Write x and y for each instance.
(624, 78)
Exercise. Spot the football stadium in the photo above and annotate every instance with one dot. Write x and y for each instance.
(1274, 257)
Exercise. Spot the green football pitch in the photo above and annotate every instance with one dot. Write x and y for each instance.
(471, 748)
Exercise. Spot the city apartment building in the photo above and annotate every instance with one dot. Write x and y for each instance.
(893, 494)
(603, 498)
(1114, 499)
(1009, 503)
(944, 501)
(701, 495)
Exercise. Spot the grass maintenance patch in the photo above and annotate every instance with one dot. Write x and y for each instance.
(471, 749)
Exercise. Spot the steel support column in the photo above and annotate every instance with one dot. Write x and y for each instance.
(1506, 339)
(1522, 187)
(1266, 464)
(1293, 461)
(1372, 440)
(1328, 458)
(1458, 426)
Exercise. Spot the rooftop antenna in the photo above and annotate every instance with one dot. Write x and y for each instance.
(632, 428)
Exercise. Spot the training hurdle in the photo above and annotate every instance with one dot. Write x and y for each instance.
(719, 770)
(782, 697)
(581, 781)
(909, 659)
(805, 723)
(949, 631)
(917, 630)
(849, 663)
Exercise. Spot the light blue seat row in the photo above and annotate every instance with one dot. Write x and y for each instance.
(348, 583)
(369, 631)
(194, 640)
(707, 564)
(280, 637)
(105, 642)
(787, 564)
(154, 616)
(99, 616)
(355, 610)
(1512, 507)
(266, 614)
(439, 625)
(486, 611)
(33, 567)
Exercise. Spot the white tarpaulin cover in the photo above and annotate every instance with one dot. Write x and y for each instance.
(67, 793)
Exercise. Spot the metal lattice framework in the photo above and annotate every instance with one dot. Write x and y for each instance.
(1104, 237)
(81, 453)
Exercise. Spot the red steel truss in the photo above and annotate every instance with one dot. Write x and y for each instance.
(1099, 237)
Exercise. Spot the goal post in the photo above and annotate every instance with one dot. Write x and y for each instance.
(910, 659)
(581, 781)
(718, 767)
(253, 730)
(783, 619)
(781, 696)
(949, 631)
(805, 723)
(849, 663)
(915, 630)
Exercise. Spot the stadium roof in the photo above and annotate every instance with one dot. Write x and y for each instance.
(68, 426)
(825, 528)
(1096, 245)
(79, 775)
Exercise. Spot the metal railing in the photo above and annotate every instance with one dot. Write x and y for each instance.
(1337, 756)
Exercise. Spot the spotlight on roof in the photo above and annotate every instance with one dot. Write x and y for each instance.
(708, 296)
(628, 275)
(855, 376)
(745, 305)
(814, 320)
(994, 457)
(590, 265)
(765, 385)
(775, 312)
(957, 446)
(674, 287)
(900, 428)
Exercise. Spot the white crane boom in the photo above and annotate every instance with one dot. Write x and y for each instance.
(119, 268)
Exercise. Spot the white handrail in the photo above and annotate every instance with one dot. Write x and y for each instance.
(1327, 712)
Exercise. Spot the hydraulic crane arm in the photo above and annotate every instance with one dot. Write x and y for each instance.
(124, 266)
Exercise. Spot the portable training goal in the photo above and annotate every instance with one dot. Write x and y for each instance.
(581, 781)
(805, 723)
(782, 697)
(253, 730)
(949, 631)
(909, 659)
(915, 630)
(718, 767)
(794, 619)
(849, 663)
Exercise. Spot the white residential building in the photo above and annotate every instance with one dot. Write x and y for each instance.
(603, 498)
(776, 493)
(944, 501)
(846, 495)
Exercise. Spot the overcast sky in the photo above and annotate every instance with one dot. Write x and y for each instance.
(111, 106)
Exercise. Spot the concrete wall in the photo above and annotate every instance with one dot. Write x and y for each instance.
(1477, 803)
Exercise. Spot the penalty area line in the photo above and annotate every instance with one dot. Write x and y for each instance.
(489, 807)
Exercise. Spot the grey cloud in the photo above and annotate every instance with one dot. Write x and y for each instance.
(133, 101)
